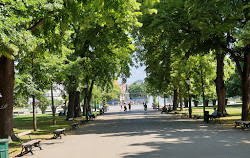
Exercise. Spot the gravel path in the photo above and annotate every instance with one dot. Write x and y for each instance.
(134, 134)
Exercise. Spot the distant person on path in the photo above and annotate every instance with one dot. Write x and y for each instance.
(129, 106)
(125, 107)
(145, 108)
(169, 108)
(121, 106)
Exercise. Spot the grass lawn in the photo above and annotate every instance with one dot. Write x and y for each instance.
(45, 128)
(234, 112)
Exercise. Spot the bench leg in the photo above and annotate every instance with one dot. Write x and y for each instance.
(58, 135)
(55, 136)
(31, 150)
(40, 146)
(22, 151)
(244, 126)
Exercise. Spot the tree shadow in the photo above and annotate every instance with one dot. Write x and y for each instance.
(169, 136)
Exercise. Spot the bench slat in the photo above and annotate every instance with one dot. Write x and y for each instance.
(31, 142)
(59, 130)
(23, 133)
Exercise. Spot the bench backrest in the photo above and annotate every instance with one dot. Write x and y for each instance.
(23, 133)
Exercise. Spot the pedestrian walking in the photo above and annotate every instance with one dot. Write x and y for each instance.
(125, 107)
(145, 108)
(129, 106)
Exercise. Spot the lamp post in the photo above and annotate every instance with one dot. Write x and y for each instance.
(189, 98)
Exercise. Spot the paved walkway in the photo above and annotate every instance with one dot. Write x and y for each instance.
(132, 134)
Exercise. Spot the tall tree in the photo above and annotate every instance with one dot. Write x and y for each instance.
(16, 18)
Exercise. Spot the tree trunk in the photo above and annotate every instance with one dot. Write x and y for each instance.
(206, 103)
(6, 98)
(196, 103)
(70, 113)
(186, 102)
(190, 106)
(34, 112)
(90, 95)
(181, 101)
(175, 99)
(53, 106)
(246, 86)
(164, 99)
(77, 110)
(84, 112)
(220, 86)
(203, 92)
(33, 96)
(214, 102)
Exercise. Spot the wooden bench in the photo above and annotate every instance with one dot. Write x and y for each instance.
(18, 112)
(57, 133)
(214, 119)
(184, 115)
(92, 117)
(27, 147)
(243, 124)
(164, 110)
(83, 122)
(197, 117)
(74, 126)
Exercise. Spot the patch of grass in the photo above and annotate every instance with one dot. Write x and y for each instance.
(45, 127)
(234, 112)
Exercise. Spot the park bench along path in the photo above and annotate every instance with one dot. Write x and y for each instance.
(133, 134)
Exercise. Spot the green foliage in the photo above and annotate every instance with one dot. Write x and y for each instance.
(233, 85)
(57, 102)
(43, 103)
(21, 101)
(137, 90)
(112, 93)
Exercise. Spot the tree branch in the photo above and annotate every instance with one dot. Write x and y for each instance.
(39, 23)
(237, 64)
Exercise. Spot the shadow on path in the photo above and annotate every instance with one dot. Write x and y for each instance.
(169, 136)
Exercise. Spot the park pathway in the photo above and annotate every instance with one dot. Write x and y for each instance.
(133, 134)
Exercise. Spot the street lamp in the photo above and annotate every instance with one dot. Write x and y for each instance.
(190, 107)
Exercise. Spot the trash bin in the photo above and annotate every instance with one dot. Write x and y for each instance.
(206, 116)
(4, 148)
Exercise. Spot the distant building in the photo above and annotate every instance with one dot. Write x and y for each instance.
(124, 97)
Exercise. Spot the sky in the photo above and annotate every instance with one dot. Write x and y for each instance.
(136, 74)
